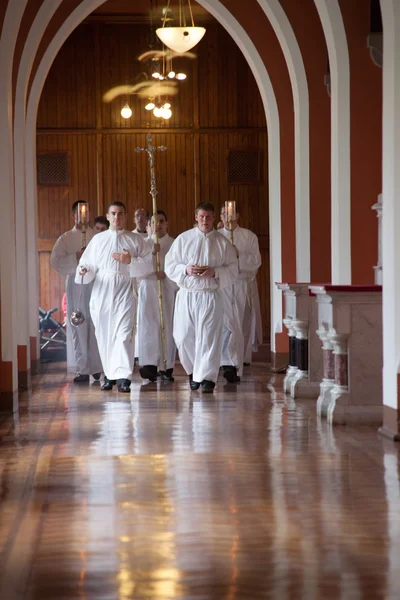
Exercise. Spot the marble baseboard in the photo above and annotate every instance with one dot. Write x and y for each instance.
(355, 415)
(24, 380)
(9, 401)
(279, 360)
(303, 388)
(36, 366)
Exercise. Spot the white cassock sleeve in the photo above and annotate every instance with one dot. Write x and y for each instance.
(228, 273)
(141, 258)
(175, 263)
(62, 262)
(87, 260)
(250, 259)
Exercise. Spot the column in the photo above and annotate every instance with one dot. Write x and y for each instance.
(378, 268)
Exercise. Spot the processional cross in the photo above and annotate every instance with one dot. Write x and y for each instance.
(151, 150)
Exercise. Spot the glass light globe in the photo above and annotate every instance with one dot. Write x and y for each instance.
(171, 74)
(181, 76)
(156, 75)
(167, 105)
(157, 112)
(180, 39)
(167, 113)
(126, 112)
(161, 78)
(150, 106)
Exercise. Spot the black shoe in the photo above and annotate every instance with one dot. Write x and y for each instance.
(96, 376)
(194, 385)
(148, 372)
(167, 375)
(81, 378)
(246, 364)
(124, 385)
(207, 387)
(230, 374)
(108, 384)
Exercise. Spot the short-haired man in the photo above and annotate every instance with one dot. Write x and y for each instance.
(111, 260)
(100, 224)
(141, 219)
(246, 244)
(150, 342)
(64, 259)
(201, 262)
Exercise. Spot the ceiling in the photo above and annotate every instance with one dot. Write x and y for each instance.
(142, 9)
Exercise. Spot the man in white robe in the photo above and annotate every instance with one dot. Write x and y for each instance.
(150, 346)
(64, 259)
(141, 218)
(201, 262)
(100, 224)
(111, 259)
(243, 290)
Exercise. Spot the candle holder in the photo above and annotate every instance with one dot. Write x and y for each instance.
(83, 219)
(230, 211)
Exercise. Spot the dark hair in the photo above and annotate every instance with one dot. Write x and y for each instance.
(161, 212)
(141, 208)
(116, 203)
(205, 206)
(75, 205)
(102, 220)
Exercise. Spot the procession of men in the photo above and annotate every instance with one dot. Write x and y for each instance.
(147, 296)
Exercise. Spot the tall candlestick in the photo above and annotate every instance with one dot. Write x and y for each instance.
(83, 219)
(230, 212)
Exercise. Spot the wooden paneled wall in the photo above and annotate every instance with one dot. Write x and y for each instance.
(218, 109)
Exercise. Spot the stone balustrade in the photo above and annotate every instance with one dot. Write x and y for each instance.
(305, 369)
(350, 329)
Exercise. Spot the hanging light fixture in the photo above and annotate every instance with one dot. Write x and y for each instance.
(182, 38)
(126, 112)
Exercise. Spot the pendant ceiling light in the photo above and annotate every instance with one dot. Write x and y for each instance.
(182, 38)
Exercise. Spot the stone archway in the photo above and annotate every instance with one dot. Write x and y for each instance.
(260, 73)
(335, 35)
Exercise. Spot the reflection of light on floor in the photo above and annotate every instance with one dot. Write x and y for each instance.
(156, 579)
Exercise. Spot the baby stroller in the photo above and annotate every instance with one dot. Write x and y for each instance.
(53, 337)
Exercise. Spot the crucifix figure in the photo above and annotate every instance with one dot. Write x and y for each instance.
(151, 150)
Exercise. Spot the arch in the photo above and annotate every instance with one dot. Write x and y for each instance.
(294, 60)
(12, 19)
(26, 262)
(391, 214)
(335, 35)
(270, 105)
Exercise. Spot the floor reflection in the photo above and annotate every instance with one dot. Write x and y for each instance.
(169, 494)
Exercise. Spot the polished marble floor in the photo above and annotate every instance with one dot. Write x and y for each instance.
(171, 494)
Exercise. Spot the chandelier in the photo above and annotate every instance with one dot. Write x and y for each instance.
(184, 37)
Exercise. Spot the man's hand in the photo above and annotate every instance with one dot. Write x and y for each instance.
(122, 257)
(210, 273)
(160, 275)
(83, 270)
(156, 248)
(194, 270)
